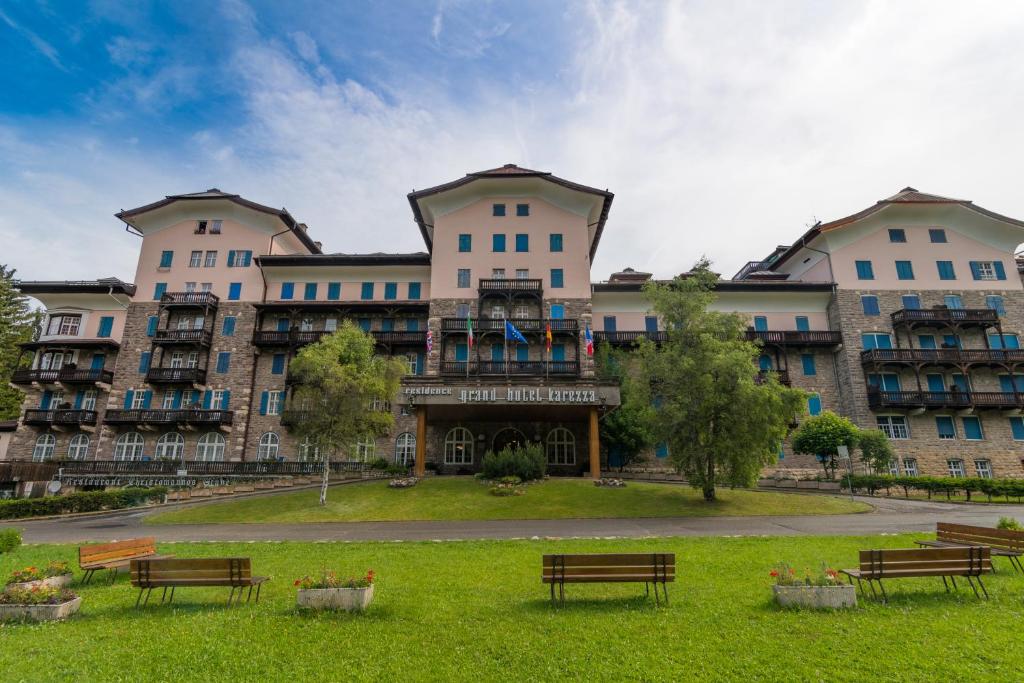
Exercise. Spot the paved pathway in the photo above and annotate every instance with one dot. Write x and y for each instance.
(889, 516)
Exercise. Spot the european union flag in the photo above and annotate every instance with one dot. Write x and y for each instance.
(512, 334)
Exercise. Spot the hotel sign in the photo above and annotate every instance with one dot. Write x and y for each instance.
(512, 395)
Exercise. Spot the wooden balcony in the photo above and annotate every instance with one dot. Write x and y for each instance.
(176, 376)
(1004, 400)
(189, 300)
(188, 416)
(290, 418)
(47, 418)
(63, 376)
(796, 337)
(511, 285)
(945, 317)
(518, 368)
(629, 337)
(781, 375)
(947, 357)
(183, 337)
(524, 325)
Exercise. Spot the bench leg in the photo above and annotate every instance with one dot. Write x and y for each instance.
(231, 596)
(561, 591)
(973, 587)
(1015, 563)
(953, 579)
(945, 583)
(259, 587)
(657, 598)
(163, 595)
(871, 585)
(141, 591)
(146, 601)
(647, 589)
(172, 595)
(885, 597)
(994, 567)
(88, 575)
(983, 590)
(552, 592)
(664, 589)
(249, 596)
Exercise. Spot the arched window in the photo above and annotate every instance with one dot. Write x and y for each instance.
(44, 447)
(170, 446)
(78, 448)
(458, 447)
(308, 452)
(270, 445)
(129, 446)
(561, 447)
(366, 447)
(210, 448)
(405, 448)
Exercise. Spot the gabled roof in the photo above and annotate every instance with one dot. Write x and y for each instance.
(214, 194)
(510, 171)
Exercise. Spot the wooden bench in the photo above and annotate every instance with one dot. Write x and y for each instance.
(1004, 542)
(902, 563)
(115, 556)
(233, 572)
(646, 568)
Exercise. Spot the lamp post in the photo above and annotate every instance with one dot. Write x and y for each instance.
(844, 453)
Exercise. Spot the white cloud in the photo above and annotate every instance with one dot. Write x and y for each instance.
(43, 47)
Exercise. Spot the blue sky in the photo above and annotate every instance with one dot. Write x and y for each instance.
(723, 128)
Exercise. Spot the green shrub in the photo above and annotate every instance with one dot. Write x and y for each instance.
(84, 501)
(948, 486)
(505, 491)
(379, 464)
(9, 540)
(1010, 524)
(397, 469)
(512, 480)
(526, 462)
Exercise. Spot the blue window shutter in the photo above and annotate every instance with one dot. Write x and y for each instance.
(497, 352)
(207, 397)
(865, 271)
(44, 402)
(106, 326)
(1017, 427)
(870, 304)
(868, 342)
(287, 290)
(522, 352)
(166, 258)
(98, 361)
(498, 210)
(926, 341)
(911, 302)
(522, 242)
(78, 399)
(1005, 384)
(158, 290)
(367, 291)
(556, 241)
(234, 291)
(764, 362)
(225, 403)
(557, 278)
(936, 383)
(661, 450)
(147, 399)
(364, 324)
(953, 301)
(412, 325)
(247, 261)
(414, 290)
(814, 404)
(129, 398)
(803, 324)
(651, 323)
(151, 325)
(558, 352)
(975, 270)
(951, 340)
(944, 425)
(995, 302)
(522, 209)
(177, 399)
(1000, 271)
(946, 270)
(808, 362)
(228, 329)
(557, 311)
(465, 242)
(937, 235)
(904, 270)
(309, 291)
(144, 362)
(277, 366)
(264, 398)
(419, 363)
(387, 324)
(498, 242)
(760, 323)
(994, 341)
(609, 323)
(283, 324)
(223, 361)
(390, 291)
(231, 259)
(461, 352)
(333, 291)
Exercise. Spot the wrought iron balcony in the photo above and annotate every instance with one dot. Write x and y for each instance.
(293, 417)
(796, 337)
(176, 376)
(529, 285)
(629, 337)
(60, 417)
(189, 299)
(533, 325)
(781, 375)
(63, 376)
(519, 368)
(922, 317)
(951, 357)
(185, 337)
(944, 399)
(188, 416)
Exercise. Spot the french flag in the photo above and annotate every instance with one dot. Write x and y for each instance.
(590, 342)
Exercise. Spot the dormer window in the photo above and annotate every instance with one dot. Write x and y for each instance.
(215, 227)
(67, 325)
(201, 227)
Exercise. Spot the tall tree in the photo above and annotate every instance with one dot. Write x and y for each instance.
(626, 431)
(822, 435)
(18, 323)
(875, 450)
(341, 386)
(721, 421)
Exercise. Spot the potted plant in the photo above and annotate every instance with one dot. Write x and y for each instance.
(39, 603)
(53, 575)
(330, 591)
(820, 590)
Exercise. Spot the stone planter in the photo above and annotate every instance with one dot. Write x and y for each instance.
(807, 484)
(786, 484)
(816, 597)
(53, 582)
(347, 599)
(39, 612)
(829, 486)
(766, 483)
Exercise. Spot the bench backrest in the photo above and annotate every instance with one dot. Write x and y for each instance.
(632, 567)
(116, 551)
(1004, 539)
(194, 570)
(967, 561)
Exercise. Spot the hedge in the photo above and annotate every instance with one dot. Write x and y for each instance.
(871, 483)
(85, 501)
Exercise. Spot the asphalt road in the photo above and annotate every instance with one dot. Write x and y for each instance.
(888, 516)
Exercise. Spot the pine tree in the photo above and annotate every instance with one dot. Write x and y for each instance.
(18, 323)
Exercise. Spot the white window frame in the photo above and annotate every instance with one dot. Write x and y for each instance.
(893, 430)
(44, 447)
(210, 261)
(192, 361)
(275, 399)
(190, 287)
(331, 325)
(56, 398)
(894, 467)
(956, 467)
(520, 312)
(210, 448)
(405, 448)
(196, 259)
(986, 270)
(983, 467)
(216, 226)
(306, 325)
(522, 273)
(366, 448)
(206, 287)
(129, 446)
(138, 399)
(89, 399)
(910, 467)
(78, 447)
(455, 438)
(217, 399)
(170, 445)
(497, 312)
(66, 324)
(177, 359)
(269, 446)
(410, 362)
(561, 447)
(308, 452)
(497, 273)
(168, 402)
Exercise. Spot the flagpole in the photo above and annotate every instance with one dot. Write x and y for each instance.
(504, 334)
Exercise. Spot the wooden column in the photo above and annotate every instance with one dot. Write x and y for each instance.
(421, 441)
(595, 446)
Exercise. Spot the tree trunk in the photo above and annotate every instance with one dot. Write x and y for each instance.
(709, 482)
(323, 484)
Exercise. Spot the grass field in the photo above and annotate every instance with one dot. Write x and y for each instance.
(465, 498)
(476, 611)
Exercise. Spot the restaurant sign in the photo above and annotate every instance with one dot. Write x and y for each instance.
(511, 395)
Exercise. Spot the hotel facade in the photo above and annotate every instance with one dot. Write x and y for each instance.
(904, 316)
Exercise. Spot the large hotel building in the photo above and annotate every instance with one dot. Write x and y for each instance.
(904, 316)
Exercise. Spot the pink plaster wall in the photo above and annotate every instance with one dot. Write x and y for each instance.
(633, 321)
(351, 290)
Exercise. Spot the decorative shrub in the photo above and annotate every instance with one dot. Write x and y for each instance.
(526, 462)
(872, 483)
(36, 573)
(403, 483)
(610, 482)
(329, 579)
(397, 469)
(9, 540)
(1010, 524)
(85, 501)
(37, 595)
(432, 467)
(379, 464)
(785, 575)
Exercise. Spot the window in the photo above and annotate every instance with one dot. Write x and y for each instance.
(522, 242)
(561, 447)
(364, 324)
(1017, 428)
(1006, 341)
(497, 273)
(140, 400)
(190, 287)
(993, 302)
(223, 361)
(894, 467)
(946, 427)
(170, 446)
(412, 363)
(650, 323)
(277, 364)
(497, 209)
(144, 360)
(412, 325)
(894, 426)
(463, 278)
(43, 450)
(275, 401)
(210, 447)
(609, 323)
(953, 301)
(875, 340)
(465, 242)
(64, 325)
(366, 291)
(910, 467)
(287, 291)
(522, 273)
(158, 290)
(166, 257)
(983, 468)
(497, 311)
(946, 271)
(306, 325)
(333, 291)
(661, 450)
(557, 278)
(234, 291)
(865, 271)
(106, 326)
(228, 326)
(937, 235)
(904, 270)
(211, 259)
(89, 399)
(951, 341)
(458, 447)
(521, 312)
(195, 259)
(956, 467)
(129, 446)
(380, 405)
(168, 403)
(177, 359)
(283, 324)
(522, 209)
(78, 447)
(869, 303)
(814, 404)
(240, 259)
(390, 291)
(988, 270)
(760, 323)
(56, 398)
(309, 292)
(330, 324)
(972, 428)
(462, 310)
(802, 324)
(366, 447)
(807, 359)
(201, 227)
(498, 242)
(405, 444)
(926, 341)
(308, 452)
(414, 291)
(911, 302)
(269, 446)
(555, 241)
(897, 235)
(215, 227)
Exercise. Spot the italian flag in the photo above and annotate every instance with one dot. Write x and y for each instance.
(469, 330)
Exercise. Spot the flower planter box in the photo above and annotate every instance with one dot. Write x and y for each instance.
(244, 489)
(202, 493)
(816, 597)
(53, 581)
(766, 483)
(829, 486)
(347, 599)
(39, 612)
(786, 484)
(264, 485)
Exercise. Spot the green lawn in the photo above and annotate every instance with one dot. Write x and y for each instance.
(476, 611)
(465, 498)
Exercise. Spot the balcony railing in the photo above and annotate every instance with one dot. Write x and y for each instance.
(558, 325)
(301, 338)
(945, 316)
(60, 417)
(943, 356)
(204, 337)
(293, 417)
(627, 337)
(200, 299)
(944, 399)
(796, 337)
(64, 376)
(176, 376)
(510, 285)
(781, 375)
(751, 267)
(533, 368)
(169, 416)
